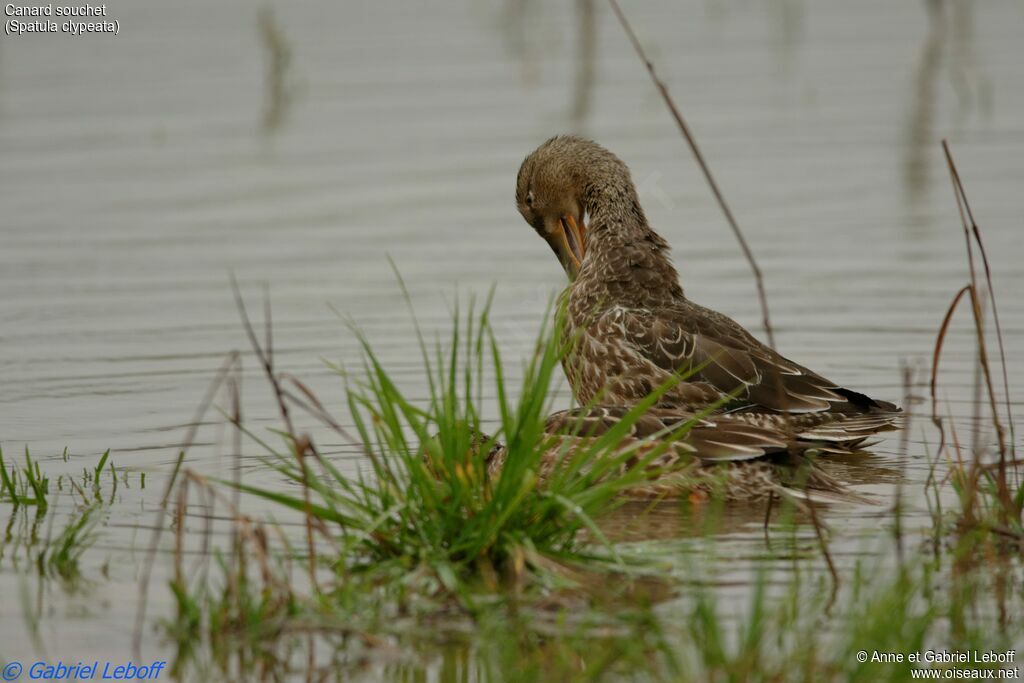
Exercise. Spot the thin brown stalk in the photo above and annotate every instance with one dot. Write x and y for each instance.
(940, 340)
(897, 507)
(957, 448)
(767, 519)
(230, 364)
(988, 279)
(301, 449)
(235, 388)
(967, 220)
(250, 533)
(932, 485)
(299, 446)
(209, 508)
(179, 533)
(823, 543)
(267, 361)
(1010, 463)
(961, 195)
(1011, 534)
(312, 405)
(685, 129)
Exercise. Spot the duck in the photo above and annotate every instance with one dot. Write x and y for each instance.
(755, 417)
(686, 455)
(629, 328)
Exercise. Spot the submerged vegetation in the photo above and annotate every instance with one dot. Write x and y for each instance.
(30, 486)
(33, 501)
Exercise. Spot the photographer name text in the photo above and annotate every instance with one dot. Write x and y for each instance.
(942, 657)
(83, 671)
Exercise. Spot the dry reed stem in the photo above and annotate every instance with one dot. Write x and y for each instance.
(970, 475)
(767, 519)
(976, 231)
(235, 388)
(231, 364)
(819, 531)
(179, 532)
(299, 445)
(969, 227)
(907, 376)
(249, 531)
(312, 405)
(940, 340)
(267, 361)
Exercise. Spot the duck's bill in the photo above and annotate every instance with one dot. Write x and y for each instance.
(574, 239)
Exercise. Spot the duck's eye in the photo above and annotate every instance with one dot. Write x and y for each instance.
(529, 198)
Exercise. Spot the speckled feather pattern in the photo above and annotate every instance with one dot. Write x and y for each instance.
(629, 329)
(629, 325)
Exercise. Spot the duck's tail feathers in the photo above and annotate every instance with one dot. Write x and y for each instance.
(850, 431)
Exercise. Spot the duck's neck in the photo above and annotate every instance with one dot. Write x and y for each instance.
(626, 260)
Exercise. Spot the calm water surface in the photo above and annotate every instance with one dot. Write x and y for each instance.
(138, 171)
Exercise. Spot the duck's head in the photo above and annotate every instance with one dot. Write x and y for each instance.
(557, 187)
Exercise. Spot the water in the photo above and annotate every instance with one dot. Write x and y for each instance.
(139, 171)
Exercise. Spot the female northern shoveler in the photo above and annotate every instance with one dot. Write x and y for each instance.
(630, 330)
(630, 327)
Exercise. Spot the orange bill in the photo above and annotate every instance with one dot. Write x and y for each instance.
(574, 239)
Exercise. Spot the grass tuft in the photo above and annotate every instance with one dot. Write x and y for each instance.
(428, 502)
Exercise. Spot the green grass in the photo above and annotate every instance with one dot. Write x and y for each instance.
(427, 503)
(25, 486)
(30, 486)
(28, 540)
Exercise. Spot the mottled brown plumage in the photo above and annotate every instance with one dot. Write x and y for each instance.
(630, 330)
(728, 456)
(629, 326)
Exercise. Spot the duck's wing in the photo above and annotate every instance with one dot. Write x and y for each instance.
(722, 438)
(687, 338)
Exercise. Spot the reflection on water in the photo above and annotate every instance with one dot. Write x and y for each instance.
(947, 49)
(790, 22)
(585, 61)
(646, 521)
(278, 54)
(532, 40)
(920, 148)
(520, 28)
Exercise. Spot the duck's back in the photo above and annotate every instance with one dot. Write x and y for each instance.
(623, 352)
